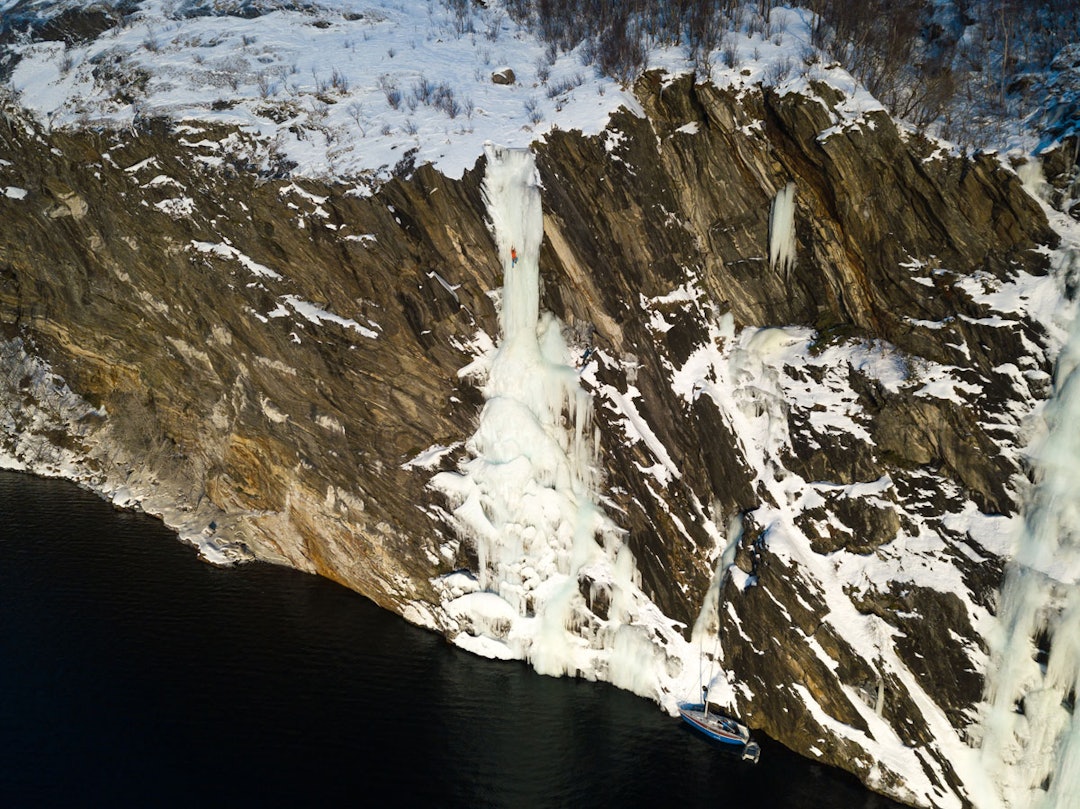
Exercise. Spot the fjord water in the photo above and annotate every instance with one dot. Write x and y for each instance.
(131, 674)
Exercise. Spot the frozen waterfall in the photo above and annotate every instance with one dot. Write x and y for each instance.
(1031, 741)
(782, 243)
(555, 582)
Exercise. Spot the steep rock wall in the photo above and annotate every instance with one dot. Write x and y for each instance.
(270, 364)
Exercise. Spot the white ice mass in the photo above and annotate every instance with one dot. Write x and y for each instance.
(1031, 745)
(526, 498)
(782, 229)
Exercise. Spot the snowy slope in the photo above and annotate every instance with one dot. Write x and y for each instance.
(355, 89)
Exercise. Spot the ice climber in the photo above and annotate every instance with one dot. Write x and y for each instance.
(513, 256)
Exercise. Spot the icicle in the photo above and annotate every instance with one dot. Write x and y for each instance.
(512, 193)
(782, 229)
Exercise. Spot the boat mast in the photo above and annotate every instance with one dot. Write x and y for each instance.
(716, 653)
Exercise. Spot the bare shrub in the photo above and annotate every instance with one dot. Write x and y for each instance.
(622, 53)
(443, 99)
(390, 89)
(702, 33)
(564, 85)
(778, 71)
(463, 19)
(423, 90)
(356, 112)
(533, 111)
(494, 24)
(757, 25)
(267, 87)
(729, 52)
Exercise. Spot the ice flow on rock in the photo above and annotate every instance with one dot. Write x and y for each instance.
(1031, 742)
(556, 583)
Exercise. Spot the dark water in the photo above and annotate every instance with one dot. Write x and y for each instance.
(133, 675)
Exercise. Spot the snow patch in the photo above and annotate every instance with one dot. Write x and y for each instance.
(229, 252)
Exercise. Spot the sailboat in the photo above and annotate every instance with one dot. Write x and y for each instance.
(720, 728)
(716, 726)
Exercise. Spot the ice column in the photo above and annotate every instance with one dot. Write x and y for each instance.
(782, 229)
(557, 585)
(535, 406)
(512, 194)
(1031, 740)
(525, 496)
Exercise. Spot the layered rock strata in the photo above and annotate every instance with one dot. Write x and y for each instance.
(272, 365)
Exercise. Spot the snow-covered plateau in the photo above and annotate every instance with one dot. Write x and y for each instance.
(717, 378)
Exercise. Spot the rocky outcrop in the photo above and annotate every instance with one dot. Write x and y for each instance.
(272, 365)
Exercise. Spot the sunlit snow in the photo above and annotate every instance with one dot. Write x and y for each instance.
(359, 90)
(526, 497)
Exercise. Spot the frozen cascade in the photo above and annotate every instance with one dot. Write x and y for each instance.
(556, 584)
(1031, 741)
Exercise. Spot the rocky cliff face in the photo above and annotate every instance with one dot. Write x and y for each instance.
(272, 366)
